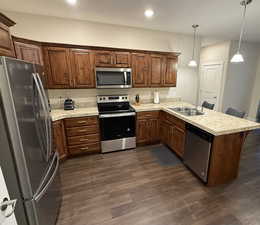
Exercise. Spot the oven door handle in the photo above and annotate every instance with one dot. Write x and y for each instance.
(117, 115)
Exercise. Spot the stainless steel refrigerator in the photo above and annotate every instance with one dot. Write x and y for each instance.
(29, 163)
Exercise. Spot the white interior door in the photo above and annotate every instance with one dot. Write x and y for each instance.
(4, 193)
(210, 84)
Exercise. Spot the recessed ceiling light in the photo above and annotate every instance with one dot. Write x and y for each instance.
(149, 13)
(72, 2)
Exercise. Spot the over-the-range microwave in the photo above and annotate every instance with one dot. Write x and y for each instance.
(113, 77)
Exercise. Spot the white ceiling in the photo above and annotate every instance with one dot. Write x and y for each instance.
(219, 18)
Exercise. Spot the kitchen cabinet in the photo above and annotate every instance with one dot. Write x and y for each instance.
(170, 76)
(173, 133)
(83, 135)
(82, 66)
(28, 52)
(147, 124)
(112, 59)
(57, 62)
(157, 71)
(59, 138)
(6, 43)
(140, 69)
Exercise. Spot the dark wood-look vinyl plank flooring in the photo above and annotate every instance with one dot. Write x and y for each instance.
(131, 188)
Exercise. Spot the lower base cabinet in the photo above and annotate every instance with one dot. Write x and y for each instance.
(147, 128)
(59, 138)
(172, 133)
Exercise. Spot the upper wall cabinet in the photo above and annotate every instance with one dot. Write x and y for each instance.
(157, 71)
(28, 52)
(112, 59)
(140, 69)
(57, 62)
(6, 43)
(82, 65)
(170, 78)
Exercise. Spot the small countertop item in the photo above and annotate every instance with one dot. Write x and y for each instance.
(69, 104)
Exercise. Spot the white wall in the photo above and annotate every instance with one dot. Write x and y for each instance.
(241, 77)
(59, 30)
(255, 97)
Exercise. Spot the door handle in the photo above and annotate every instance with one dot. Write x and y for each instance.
(5, 204)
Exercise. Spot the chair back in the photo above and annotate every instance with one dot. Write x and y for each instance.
(208, 105)
(236, 113)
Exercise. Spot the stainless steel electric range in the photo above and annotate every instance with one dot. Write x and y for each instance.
(117, 123)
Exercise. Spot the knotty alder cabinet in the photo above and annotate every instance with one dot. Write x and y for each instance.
(147, 128)
(154, 70)
(172, 132)
(6, 43)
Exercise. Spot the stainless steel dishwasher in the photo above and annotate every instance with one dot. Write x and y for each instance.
(197, 151)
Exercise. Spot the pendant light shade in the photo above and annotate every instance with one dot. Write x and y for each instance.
(193, 62)
(238, 57)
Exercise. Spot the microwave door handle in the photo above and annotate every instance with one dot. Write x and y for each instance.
(125, 77)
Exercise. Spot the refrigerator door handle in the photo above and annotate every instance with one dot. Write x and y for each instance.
(44, 106)
(47, 112)
(43, 190)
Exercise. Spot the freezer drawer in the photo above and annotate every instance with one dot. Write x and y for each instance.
(43, 209)
(197, 151)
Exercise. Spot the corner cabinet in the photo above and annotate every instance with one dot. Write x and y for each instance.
(58, 69)
(6, 43)
(82, 67)
(29, 52)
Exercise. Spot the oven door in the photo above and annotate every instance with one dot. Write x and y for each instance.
(113, 78)
(117, 131)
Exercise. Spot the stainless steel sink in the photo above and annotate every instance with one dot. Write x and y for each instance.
(187, 111)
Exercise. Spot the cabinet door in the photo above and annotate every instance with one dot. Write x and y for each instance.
(28, 52)
(6, 44)
(154, 130)
(104, 59)
(178, 141)
(60, 138)
(122, 59)
(170, 78)
(157, 70)
(142, 135)
(140, 69)
(82, 68)
(58, 67)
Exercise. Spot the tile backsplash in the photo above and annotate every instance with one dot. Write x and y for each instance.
(87, 97)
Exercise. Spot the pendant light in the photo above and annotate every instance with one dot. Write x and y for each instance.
(238, 57)
(193, 62)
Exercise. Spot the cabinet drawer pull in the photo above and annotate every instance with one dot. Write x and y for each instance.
(83, 121)
(83, 130)
(84, 149)
(83, 140)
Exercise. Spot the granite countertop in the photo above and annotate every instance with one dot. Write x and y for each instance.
(213, 122)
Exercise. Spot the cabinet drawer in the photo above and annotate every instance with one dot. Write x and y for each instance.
(148, 115)
(85, 139)
(81, 121)
(87, 148)
(84, 130)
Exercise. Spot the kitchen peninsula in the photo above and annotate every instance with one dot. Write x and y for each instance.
(229, 133)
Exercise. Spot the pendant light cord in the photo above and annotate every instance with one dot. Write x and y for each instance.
(243, 26)
(194, 39)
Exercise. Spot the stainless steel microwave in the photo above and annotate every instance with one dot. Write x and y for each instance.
(113, 78)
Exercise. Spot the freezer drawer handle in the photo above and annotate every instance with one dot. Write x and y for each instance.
(4, 205)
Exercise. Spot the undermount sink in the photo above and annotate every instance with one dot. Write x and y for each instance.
(187, 111)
